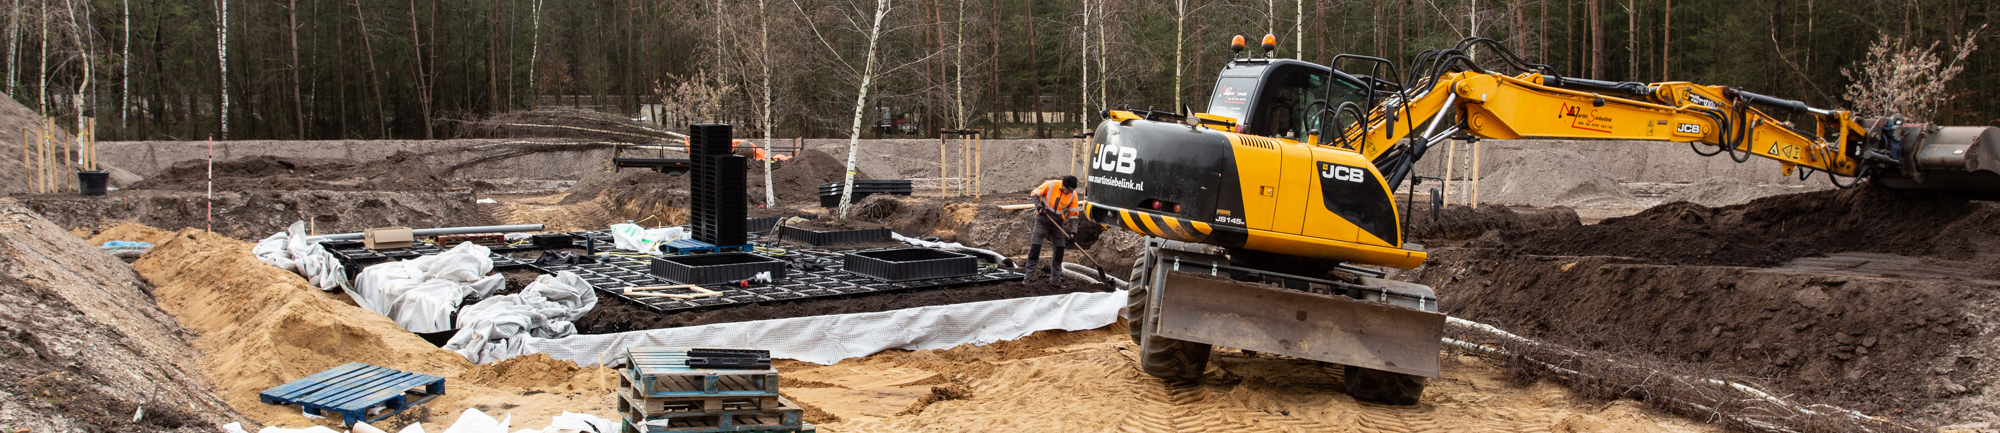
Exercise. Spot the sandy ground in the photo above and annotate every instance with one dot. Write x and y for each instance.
(1087, 381)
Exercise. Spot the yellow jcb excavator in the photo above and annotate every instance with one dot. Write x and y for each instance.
(1265, 213)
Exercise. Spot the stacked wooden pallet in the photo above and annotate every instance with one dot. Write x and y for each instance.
(659, 393)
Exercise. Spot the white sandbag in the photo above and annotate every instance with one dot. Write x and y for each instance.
(829, 339)
(644, 240)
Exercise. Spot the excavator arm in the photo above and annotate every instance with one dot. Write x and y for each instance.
(1713, 119)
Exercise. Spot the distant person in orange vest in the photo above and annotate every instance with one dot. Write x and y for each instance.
(1055, 203)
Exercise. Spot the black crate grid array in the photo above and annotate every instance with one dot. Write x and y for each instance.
(613, 276)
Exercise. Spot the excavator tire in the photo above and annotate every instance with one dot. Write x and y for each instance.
(1165, 358)
(1382, 387)
(1136, 290)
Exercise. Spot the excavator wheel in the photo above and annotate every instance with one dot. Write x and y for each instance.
(1376, 386)
(1161, 357)
(1136, 288)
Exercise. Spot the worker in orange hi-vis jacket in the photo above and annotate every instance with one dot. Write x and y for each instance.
(1056, 211)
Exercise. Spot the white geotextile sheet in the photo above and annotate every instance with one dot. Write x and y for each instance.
(501, 324)
(292, 250)
(420, 294)
(829, 339)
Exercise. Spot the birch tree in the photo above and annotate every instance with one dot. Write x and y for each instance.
(867, 75)
(222, 61)
(13, 43)
(764, 45)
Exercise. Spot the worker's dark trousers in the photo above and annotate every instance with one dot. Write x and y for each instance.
(1044, 232)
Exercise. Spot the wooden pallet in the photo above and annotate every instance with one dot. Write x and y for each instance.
(354, 389)
(662, 372)
(631, 401)
(745, 424)
(723, 412)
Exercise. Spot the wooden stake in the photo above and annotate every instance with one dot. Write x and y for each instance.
(699, 292)
(942, 166)
(1475, 174)
(1450, 159)
(68, 164)
(978, 172)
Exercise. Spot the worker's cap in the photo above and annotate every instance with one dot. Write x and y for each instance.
(1069, 182)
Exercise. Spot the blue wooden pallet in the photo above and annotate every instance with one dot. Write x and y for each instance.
(353, 389)
(690, 246)
(662, 372)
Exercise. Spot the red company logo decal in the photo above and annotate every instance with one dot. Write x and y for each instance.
(1587, 122)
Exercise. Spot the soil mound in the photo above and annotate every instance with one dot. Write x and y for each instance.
(798, 179)
(1461, 223)
(82, 346)
(403, 171)
(1552, 177)
(256, 214)
(1772, 230)
(132, 232)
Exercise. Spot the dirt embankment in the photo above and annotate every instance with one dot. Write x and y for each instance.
(1773, 230)
(403, 171)
(82, 347)
(1869, 299)
(256, 214)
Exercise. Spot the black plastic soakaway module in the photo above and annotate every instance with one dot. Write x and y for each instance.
(906, 264)
(817, 238)
(716, 268)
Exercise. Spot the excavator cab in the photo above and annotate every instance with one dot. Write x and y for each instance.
(1279, 98)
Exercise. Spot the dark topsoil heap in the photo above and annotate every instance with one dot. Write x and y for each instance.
(1772, 230)
(403, 171)
(1686, 284)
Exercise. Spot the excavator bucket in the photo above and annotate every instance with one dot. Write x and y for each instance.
(1368, 334)
(1963, 159)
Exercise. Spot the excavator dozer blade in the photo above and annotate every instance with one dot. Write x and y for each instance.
(1336, 329)
(1960, 159)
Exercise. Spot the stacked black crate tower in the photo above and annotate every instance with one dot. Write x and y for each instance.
(717, 207)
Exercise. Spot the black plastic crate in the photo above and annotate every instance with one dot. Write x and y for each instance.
(704, 269)
(554, 240)
(817, 238)
(906, 264)
(761, 225)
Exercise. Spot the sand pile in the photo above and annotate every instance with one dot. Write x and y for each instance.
(1087, 381)
(82, 347)
(259, 326)
(1551, 177)
(133, 233)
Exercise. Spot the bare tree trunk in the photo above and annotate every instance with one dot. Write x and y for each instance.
(958, 69)
(1083, 85)
(417, 65)
(764, 44)
(1180, 42)
(222, 59)
(298, 98)
(42, 103)
(1299, 31)
(83, 86)
(1667, 42)
(1041, 129)
(124, 69)
(992, 116)
(13, 45)
(535, 56)
(861, 106)
(1596, 40)
(374, 76)
(1632, 39)
(1103, 59)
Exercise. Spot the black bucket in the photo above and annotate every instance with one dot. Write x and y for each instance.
(92, 182)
